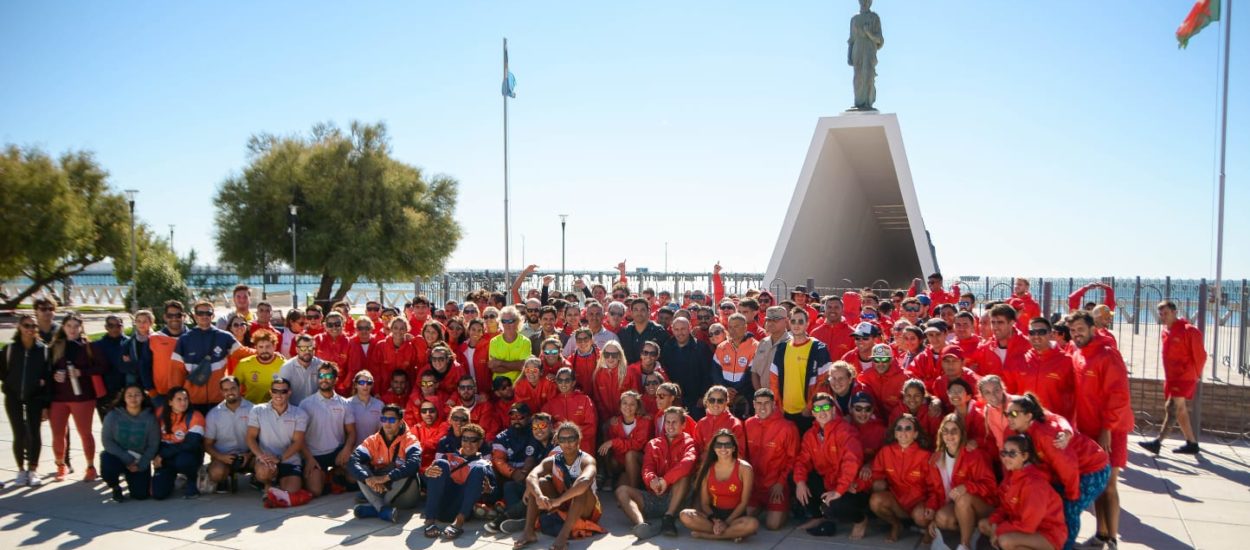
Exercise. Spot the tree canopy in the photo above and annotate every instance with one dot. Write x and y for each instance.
(59, 216)
(362, 213)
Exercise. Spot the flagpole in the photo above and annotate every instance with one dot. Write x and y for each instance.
(507, 274)
(1227, 19)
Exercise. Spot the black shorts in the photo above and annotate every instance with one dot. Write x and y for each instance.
(290, 470)
(720, 513)
(326, 461)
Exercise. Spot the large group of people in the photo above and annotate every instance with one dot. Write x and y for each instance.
(722, 413)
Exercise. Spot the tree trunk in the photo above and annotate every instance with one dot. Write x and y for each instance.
(324, 288)
(343, 288)
(38, 283)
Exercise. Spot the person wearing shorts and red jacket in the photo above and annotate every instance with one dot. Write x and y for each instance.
(1183, 359)
(831, 450)
(1028, 511)
(772, 444)
(667, 464)
(902, 487)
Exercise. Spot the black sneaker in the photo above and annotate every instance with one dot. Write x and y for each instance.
(1152, 445)
(668, 526)
(492, 526)
(118, 495)
(825, 529)
(1189, 448)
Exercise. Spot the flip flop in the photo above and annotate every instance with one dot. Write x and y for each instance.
(518, 545)
(452, 532)
(432, 531)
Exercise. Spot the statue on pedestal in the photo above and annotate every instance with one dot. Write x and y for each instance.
(861, 53)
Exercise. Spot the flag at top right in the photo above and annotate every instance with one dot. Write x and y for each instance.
(1201, 15)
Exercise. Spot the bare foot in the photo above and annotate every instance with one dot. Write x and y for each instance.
(896, 529)
(812, 523)
(525, 541)
(857, 530)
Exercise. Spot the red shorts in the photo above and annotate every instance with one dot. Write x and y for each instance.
(1179, 388)
(1119, 449)
(759, 500)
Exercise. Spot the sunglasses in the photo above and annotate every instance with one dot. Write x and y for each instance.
(334, 325)
(373, 308)
(29, 326)
(905, 428)
(726, 308)
(612, 354)
(880, 359)
(965, 304)
(364, 382)
(313, 317)
(619, 296)
(652, 353)
(473, 439)
(774, 318)
(583, 339)
(567, 439)
(716, 333)
(171, 315)
(489, 316)
(551, 352)
(364, 328)
(911, 309)
(202, 313)
(459, 419)
(508, 321)
(468, 388)
(539, 425)
(438, 358)
(716, 400)
(822, 408)
(1014, 413)
(232, 325)
(279, 392)
(1039, 331)
(564, 380)
(389, 419)
(950, 431)
(1008, 453)
(429, 411)
(327, 376)
(724, 445)
(305, 348)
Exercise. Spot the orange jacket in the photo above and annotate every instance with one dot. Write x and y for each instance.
(972, 470)
(1050, 376)
(635, 441)
(832, 451)
(578, 409)
(1102, 396)
(240, 353)
(1027, 504)
(709, 425)
(164, 373)
(1183, 353)
(906, 472)
(668, 460)
(772, 445)
(396, 460)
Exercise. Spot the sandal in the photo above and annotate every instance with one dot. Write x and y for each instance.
(518, 545)
(432, 531)
(452, 532)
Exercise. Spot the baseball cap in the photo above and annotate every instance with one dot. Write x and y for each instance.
(775, 313)
(953, 351)
(861, 397)
(881, 350)
(924, 300)
(520, 407)
(864, 329)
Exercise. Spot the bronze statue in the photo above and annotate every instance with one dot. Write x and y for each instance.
(861, 53)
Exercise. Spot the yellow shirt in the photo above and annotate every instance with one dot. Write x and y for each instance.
(516, 350)
(794, 394)
(255, 377)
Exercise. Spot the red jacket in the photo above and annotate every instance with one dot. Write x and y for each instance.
(337, 351)
(1183, 353)
(429, 436)
(1050, 376)
(483, 413)
(532, 395)
(608, 387)
(358, 360)
(772, 445)
(985, 361)
(385, 358)
(635, 441)
(886, 389)
(669, 460)
(928, 422)
(972, 470)
(709, 425)
(584, 369)
(969, 347)
(1027, 504)
(413, 410)
(691, 428)
(1102, 393)
(940, 384)
(578, 409)
(871, 439)
(1026, 310)
(926, 365)
(480, 369)
(832, 451)
(837, 337)
(1064, 465)
(906, 472)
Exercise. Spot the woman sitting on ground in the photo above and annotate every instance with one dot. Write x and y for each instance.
(131, 440)
(627, 435)
(902, 487)
(967, 482)
(724, 479)
(182, 445)
(1029, 515)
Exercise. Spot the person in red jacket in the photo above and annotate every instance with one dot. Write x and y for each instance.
(429, 427)
(667, 463)
(902, 487)
(1183, 360)
(1029, 510)
(667, 395)
(884, 381)
(865, 336)
(717, 418)
(1076, 299)
(835, 332)
(1079, 467)
(335, 347)
(574, 406)
(583, 359)
(532, 388)
(481, 411)
(358, 350)
(1006, 348)
(1024, 304)
(474, 355)
(912, 356)
(871, 438)
(394, 353)
(550, 359)
(1103, 410)
(612, 377)
(965, 328)
(917, 402)
(1047, 372)
(969, 489)
(831, 450)
(953, 369)
(772, 444)
(627, 435)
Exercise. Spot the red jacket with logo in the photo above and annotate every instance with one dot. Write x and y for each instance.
(1183, 353)
(534, 395)
(986, 362)
(906, 472)
(578, 409)
(669, 460)
(709, 425)
(837, 337)
(608, 387)
(972, 470)
(886, 389)
(385, 358)
(772, 445)
(1102, 396)
(1050, 376)
(635, 441)
(833, 451)
(1027, 504)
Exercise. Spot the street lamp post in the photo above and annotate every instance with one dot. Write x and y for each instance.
(564, 218)
(294, 277)
(134, 300)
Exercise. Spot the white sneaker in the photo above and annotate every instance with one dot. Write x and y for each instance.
(23, 477)
(35, 480)
(962, 547)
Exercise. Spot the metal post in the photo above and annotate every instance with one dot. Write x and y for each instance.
(1047, 291)
(1137, 305)
(1219, 241)
(507, 273)
(1202, 327)
(134, 298)
(171, 239)
(564, 218)
(294, 270)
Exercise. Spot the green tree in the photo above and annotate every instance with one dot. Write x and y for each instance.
(362, 213)
(158, 279)
(58, 217)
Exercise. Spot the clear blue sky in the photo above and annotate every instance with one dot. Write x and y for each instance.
(1045, 138)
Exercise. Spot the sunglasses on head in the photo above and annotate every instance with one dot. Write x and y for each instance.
(389, 419)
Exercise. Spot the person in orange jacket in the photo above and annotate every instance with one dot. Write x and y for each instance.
(1103, 410)
(667, 463)
(429, 427)
(532, 388)
(1183, 360)
(627, 436)
(717, 418)
(902, 487)
(1029, 510)
(772, 444)
(831, 450)
(969, 489)
(1048, 372)
(573, 406)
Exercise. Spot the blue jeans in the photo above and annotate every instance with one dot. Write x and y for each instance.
(445, 499)
(186, 463)
(139, 483)
(1092, 485)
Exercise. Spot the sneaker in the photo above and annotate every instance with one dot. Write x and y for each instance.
(513, 526)
(1094, 542)
(492, 526)
(645, 530)
(1113, 544)
(23, 478)
(825, 529)
(363, 511)
(35, 480)
(61, 472)
(118, 495)
(668, 526)
(1152, 445)
(1189, 448)
(388, 514)
(962, 547)
(91, 475)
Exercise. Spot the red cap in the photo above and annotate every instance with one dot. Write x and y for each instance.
(953, 351)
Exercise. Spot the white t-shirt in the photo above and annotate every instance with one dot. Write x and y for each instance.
(326, 420)
(277, 431)
(228, 429)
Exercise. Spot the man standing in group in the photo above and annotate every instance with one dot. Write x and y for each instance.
(302, 369)
(330, 434)
(255, 372)
(202, 352)
(688, 362)
(241, 296)
(772, 446)
(777, 327)
(420, 314)
(164, 374)
(733, 357)
(797, 366)
(1024, 304)
(275, 435)
(1103, 413)
(1005, 351)
(835, 332)
(335, 347)
(546, 329)
(641, 329)
(509, 349)
(225, 436)
(1184, 357)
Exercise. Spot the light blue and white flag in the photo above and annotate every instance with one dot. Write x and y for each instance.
(509, 81)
